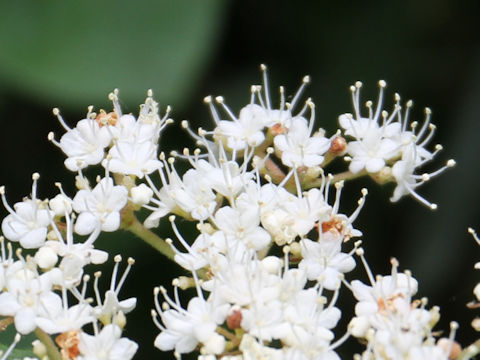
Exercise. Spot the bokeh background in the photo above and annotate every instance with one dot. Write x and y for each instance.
(72, 54)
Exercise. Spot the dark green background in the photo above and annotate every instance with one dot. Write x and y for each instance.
(71, 54)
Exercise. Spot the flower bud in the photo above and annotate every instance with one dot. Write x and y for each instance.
(338, 146)
(46, 257)
(141, 194)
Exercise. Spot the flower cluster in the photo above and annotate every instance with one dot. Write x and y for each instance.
(273, 248)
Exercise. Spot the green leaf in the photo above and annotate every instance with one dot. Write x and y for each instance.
(75, 52)
(23, 348)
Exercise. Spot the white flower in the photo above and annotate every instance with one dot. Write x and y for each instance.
(324, 262)
(245, 131)
(298, 147)
(111, 305)
(74, 255)
(264, 320)
(242, 225)
(183, 330)
(375, 143)
(403, 171)
(84, 145)
(372, 299)
(28, 223)
(60, 319)
(132, 158)
(107, 345)
(99, 207)
(27, 296)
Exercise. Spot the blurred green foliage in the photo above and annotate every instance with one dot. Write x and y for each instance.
(71, 54)
(75, 52)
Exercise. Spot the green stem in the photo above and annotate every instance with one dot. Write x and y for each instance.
(470, 351)
(152, 239)
(52, 349)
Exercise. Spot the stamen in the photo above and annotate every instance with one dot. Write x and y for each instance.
(360, 252)
(305, 82)
(263, 68)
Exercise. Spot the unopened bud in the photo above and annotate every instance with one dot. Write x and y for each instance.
(141, 194)
(234, 319)
(39, 348)
(46, 257)
(338, 145)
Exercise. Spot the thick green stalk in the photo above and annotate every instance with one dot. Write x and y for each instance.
(152, 239)
(131, 223)
(52, 349)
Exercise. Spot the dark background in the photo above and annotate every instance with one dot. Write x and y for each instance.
(72, 55)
